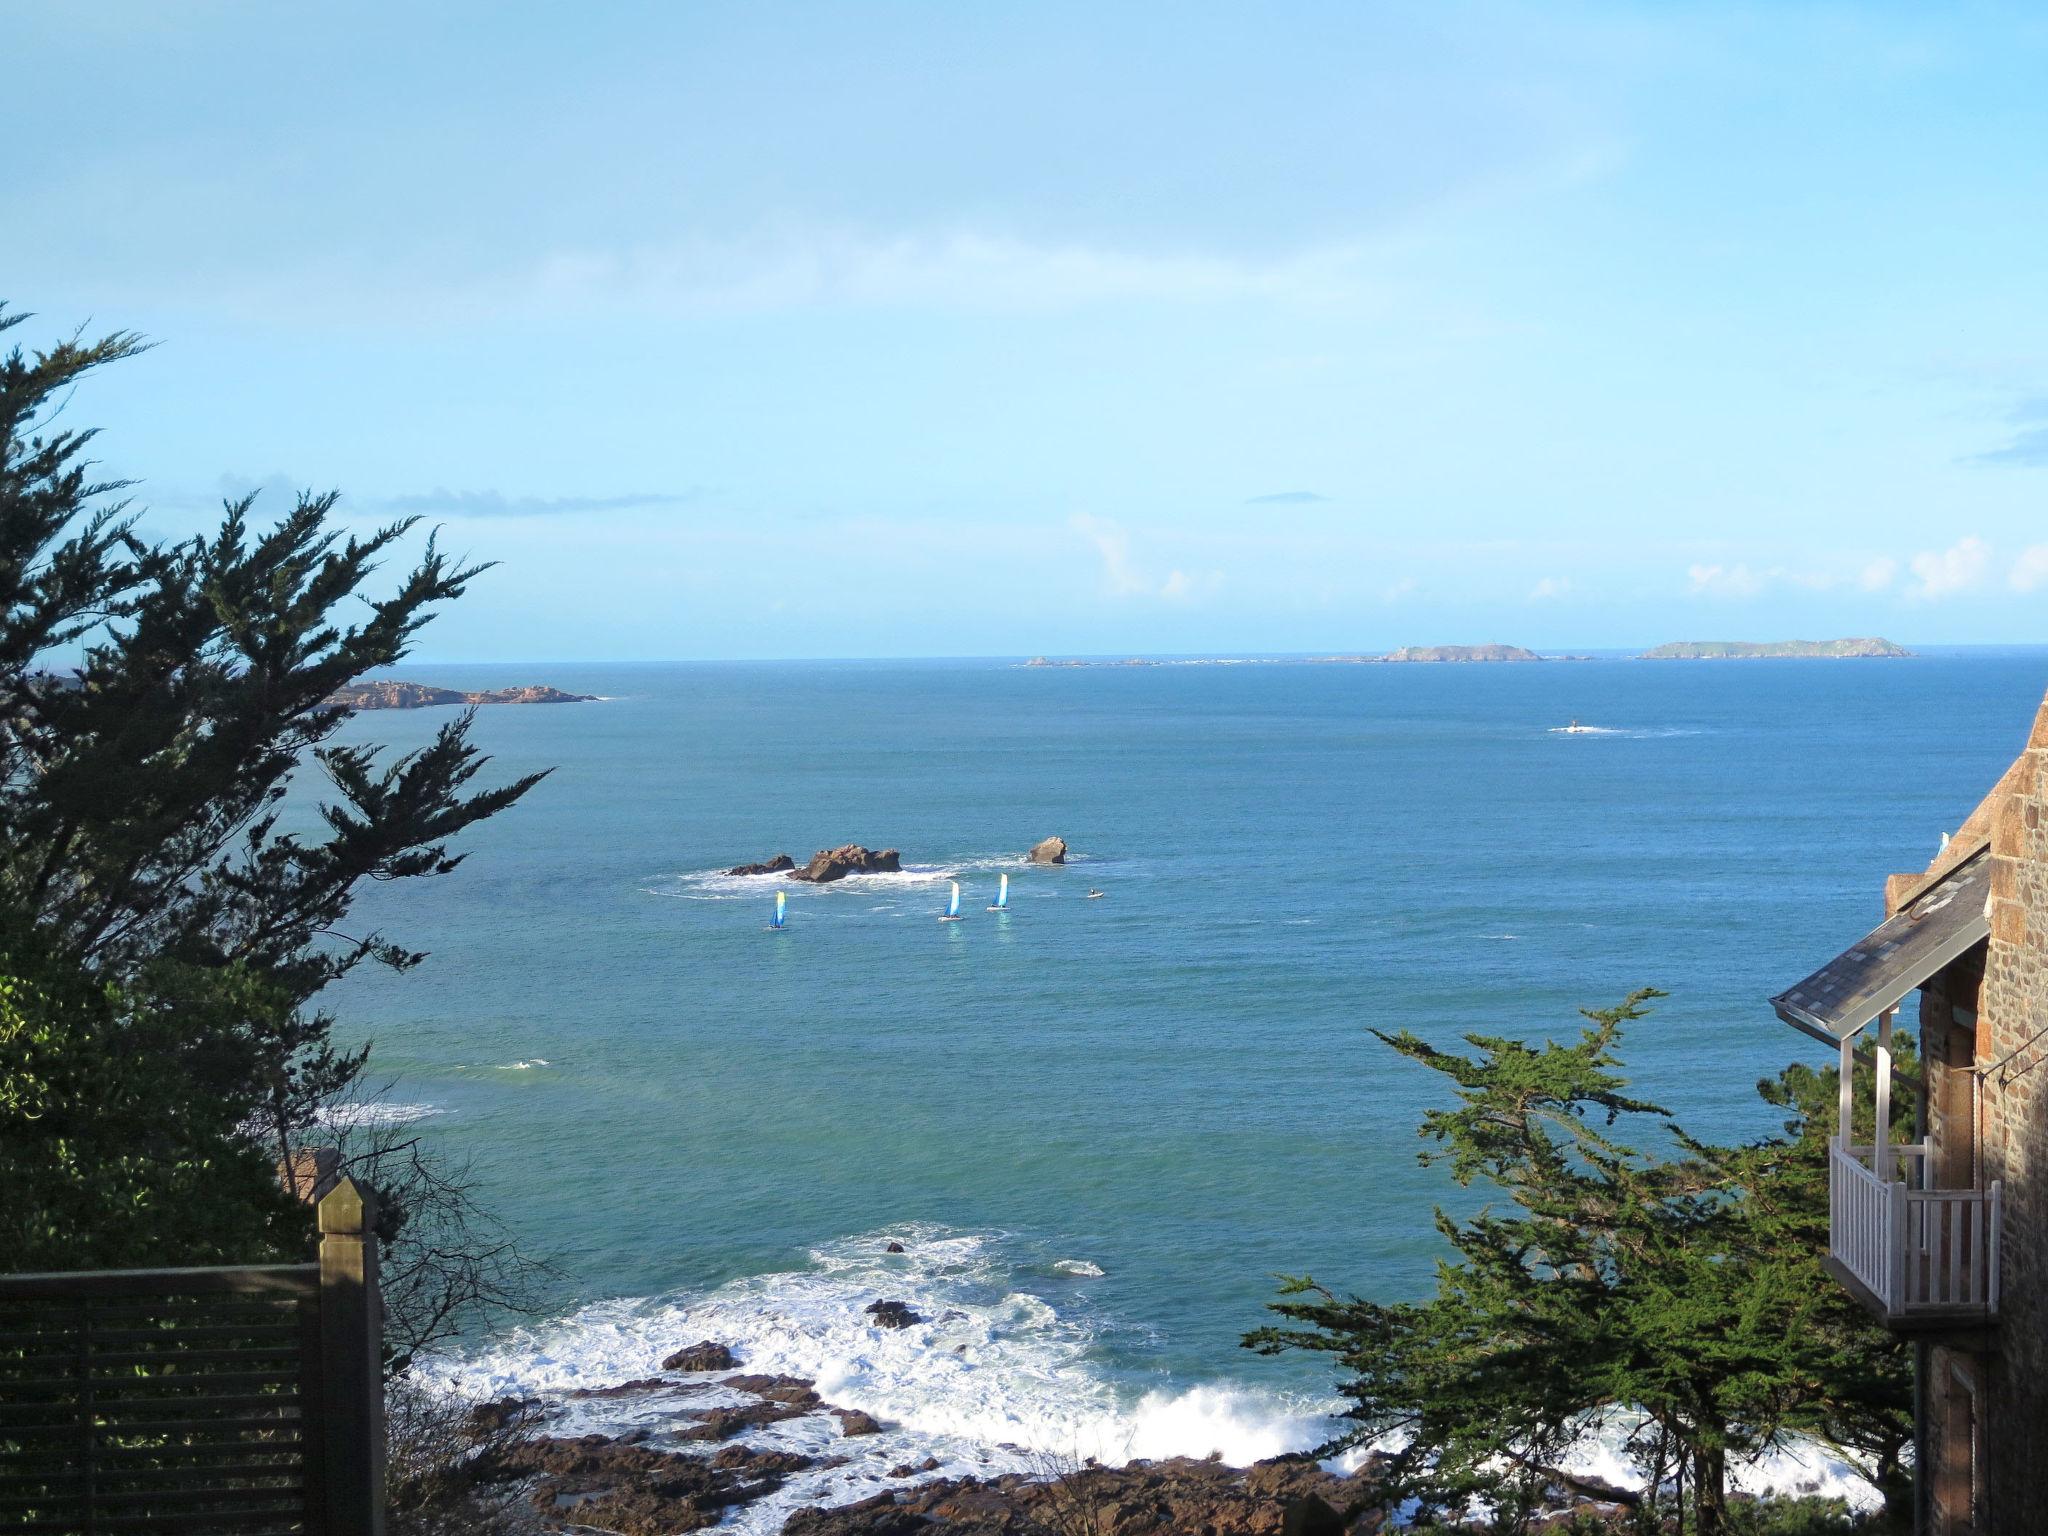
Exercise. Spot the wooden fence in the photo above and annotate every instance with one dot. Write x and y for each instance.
(245, 1400)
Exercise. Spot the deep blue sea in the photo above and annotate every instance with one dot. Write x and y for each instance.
(716, 1130)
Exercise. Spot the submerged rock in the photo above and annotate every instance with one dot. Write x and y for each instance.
(829, 864)
(1053, 850)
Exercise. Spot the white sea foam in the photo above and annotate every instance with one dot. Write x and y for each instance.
(1078, 1267)
(527, 1065)
(377, 1112)
(717, 885)
(993, 1379)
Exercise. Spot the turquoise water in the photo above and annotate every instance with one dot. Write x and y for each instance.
(1174, 1084)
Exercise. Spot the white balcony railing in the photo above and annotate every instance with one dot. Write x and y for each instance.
(1918, 1251)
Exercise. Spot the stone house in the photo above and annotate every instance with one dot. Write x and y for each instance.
(1945, 1236)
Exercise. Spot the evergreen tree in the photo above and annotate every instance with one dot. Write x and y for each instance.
(155, 700)
(1679, 1297)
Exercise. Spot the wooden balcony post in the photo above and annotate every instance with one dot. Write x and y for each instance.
(1880, 1151)
(352, 1364)
(1894, 1258)
(1845, 1116)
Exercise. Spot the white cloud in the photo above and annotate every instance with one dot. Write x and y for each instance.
(1122, 577)
(1550, 587)
(1405, 587)
(2031, 571)
(1727, 580)
(1944, 573)
(1878, 574)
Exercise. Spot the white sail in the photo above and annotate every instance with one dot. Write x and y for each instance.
(953, 907)
(1003, 893)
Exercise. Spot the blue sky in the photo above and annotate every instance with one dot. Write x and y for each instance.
(875, 329)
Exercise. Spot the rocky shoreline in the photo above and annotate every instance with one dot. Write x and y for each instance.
(648, 1482)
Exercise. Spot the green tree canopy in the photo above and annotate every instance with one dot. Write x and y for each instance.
(156, 699)
(1678, 1297)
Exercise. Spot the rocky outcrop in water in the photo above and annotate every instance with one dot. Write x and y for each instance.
(829, 864)
(388, 694)
(893, 1314)
(781, 864)
(706, 1356)
(1053, 850)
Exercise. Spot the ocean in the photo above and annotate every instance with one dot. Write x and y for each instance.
(1098, 1128)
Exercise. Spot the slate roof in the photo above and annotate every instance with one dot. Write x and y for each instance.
(1878, 970)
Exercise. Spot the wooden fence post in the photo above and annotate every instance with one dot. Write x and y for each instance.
(352, 1364)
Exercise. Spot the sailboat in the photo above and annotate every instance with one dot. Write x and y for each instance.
(953, 906)
(780, 920)
(1002, 896)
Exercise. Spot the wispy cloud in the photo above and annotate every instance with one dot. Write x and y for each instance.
(2029, 445)
(1285, 499)
(1122, 577)
(446, 503)
(1878, 575)
(1550, 588)
(1946, 572)
(2030, 571)
(1726, 580)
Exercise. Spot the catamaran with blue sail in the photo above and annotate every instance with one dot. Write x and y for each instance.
(953, 906)
(1002, 896)
(780, 919)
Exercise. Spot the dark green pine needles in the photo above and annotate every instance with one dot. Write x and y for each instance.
(1678, 1299)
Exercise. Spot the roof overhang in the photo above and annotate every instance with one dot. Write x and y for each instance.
(1898, 955)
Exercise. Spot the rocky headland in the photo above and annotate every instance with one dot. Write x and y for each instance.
(1766, 650)
(387, 694)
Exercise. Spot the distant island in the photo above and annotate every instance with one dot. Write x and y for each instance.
(395, 695)
(1461, 653)
(1754, 650)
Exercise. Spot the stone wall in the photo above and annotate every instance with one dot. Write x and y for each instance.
(2011, 1020)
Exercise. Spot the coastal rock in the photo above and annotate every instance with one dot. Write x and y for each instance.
(853, 1423)
(387, 693)
(636, 1491)
(631, 1388)
(829, 864)
(703, 1356)
(781, 864)
(1290, 1496)
(892, 1314)
(1051, 851)
(894, 1247)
